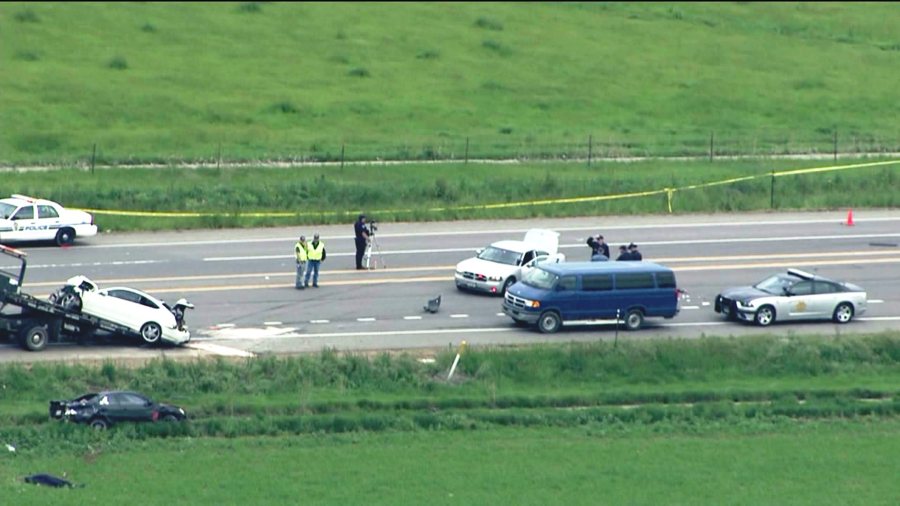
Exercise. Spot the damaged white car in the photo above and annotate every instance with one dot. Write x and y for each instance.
(497, 267)
(151, 318)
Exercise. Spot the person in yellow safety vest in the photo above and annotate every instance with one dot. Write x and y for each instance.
(316, 255)
(300, 252)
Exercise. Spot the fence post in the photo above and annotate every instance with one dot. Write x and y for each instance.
(835, 143)
(467, 151)
(342, 156)
(93, 157)
(772, 192)
(590, 148)
(711, 145)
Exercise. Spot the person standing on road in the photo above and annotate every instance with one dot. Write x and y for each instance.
(362, 240)
(635, 254)
(316, 255)
(624, 254)
(598, 247)
(301, 255)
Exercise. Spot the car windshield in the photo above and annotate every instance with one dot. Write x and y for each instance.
(539, 278)
(6, 210)
(776, 285)
(501, 256)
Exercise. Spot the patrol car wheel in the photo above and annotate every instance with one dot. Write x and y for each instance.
(151, 332)
(764, 316)
(65, 237)
(508, 283)
(549, 322)
(170, 418)
(843, 313)
(99, 424)
(634, 319)
(35, 338)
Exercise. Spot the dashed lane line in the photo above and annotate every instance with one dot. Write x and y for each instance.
(459, 316)
(367, 319)
(320, 321)
(412, 317)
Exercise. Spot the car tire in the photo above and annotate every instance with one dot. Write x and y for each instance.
(151, 332)
(69, 301)
(549, 322)
(765, 316)
(843, 313)
(34, 337)
(634, 319)
(510, 281)
(99, 424)
(65, 236)
(169, 418)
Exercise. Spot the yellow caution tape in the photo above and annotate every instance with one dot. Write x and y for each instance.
(669, 192)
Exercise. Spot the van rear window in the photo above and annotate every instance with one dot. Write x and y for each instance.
(596, 282)
(634, 280)
(665, 279)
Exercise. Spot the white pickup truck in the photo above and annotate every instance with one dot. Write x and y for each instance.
(495, 268)
(24, 218)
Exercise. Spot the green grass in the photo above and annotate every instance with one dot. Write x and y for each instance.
(314, 195)
(258, 80)
(806, 420)
(848, 463)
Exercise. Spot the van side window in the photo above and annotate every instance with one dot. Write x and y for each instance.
(634, 280)
(566, 283)
(665, 279)
(596, 282)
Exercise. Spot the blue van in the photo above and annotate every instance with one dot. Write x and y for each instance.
(571, 292)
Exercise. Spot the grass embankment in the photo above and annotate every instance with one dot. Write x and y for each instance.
(410, 193)
(258, 80)
(745, 421)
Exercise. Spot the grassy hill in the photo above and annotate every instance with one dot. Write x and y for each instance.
(162, 81)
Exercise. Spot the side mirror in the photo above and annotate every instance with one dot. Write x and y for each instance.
(478, 251)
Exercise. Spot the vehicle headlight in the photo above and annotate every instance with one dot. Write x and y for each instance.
(531, 303)
(181, 411)
(494, 278)
(741, 303)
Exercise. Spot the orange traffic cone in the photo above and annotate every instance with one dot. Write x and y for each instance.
(849, 218)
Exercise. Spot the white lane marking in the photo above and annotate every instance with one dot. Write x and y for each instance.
(368, 319)
(875, 301)
(704, 303)
(501, 314)
(697, 324)
(270, 324)
(880, 319)
(690, 307)
(383, 333)
(220, 350)
(459, 316)
(224, 325)
(320, 321)
(643, 243)
(95, 264)
(412, 317)
(836, 219)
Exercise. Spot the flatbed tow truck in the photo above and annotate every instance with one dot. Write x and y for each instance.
(35, 322)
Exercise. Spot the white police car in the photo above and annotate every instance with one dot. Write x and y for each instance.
(25, 218)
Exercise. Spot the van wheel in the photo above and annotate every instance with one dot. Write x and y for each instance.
(634, 319)
(549, 322)
(764, 316)
(843, 313)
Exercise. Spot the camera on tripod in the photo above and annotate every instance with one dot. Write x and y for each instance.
(373, 227)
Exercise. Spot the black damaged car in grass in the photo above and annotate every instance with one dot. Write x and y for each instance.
(103, 409)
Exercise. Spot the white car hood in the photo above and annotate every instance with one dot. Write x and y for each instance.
(479, 266)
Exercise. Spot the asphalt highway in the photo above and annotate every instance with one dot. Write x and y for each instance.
(241, 280)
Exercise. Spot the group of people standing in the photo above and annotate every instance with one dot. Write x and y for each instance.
(310, 256)
(600, 251)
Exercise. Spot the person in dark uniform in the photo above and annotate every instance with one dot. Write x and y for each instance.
(624, 254)
(635, 254)
(362, 239)
(598, 247)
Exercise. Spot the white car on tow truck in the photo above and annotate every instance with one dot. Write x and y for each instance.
(24, 218)
(495, 268)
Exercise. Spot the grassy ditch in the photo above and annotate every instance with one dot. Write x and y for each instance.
(318, 195)
(565, 385)
(257, 80)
